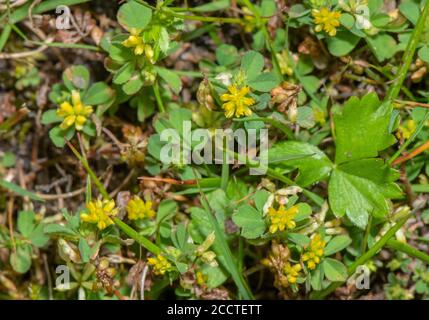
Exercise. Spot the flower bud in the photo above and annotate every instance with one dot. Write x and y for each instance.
(204, 96)
(68, 251)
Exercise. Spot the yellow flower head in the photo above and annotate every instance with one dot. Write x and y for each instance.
(201, 278)
(75, 113)
(282, 218)
(314, 251)
(160, 264)
(135, 40)
(236, 102)
(138, 209)
(406, 130)
(326, 20)
(291, 272)
(99, 212)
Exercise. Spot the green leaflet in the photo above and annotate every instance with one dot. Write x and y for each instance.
(375, 170)
(334, 270)
(312, 163)
(355, 197)
(250, 220)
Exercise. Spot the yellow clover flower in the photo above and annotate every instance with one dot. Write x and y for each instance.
(282, 218)
(201, 278)
(135, 40)
(326, 20)
(406, 130)
(99, 212)
(314, 251)
(75, 113)
(160, 264)
(236, 102)
(291, 272)
(138, 209)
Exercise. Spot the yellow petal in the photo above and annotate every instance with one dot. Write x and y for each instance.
(78, 108)
(109, 206)
(244, 90)
(85, 217)
(233, 89)
(101, 225)
(226, 97)
(65, 109)
(68, 121)
(76, 98)
(80, 121)
(87, 110)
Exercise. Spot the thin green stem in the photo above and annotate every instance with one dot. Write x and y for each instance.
(409, 250)
(206, 19)
(231, 265)
(225, 170)
(186, 73)
(91, 173)
(67, 45)
(365, 237)
(402, 73)
(143, 241)
(273, 53)
(158, 97)
(408, 55)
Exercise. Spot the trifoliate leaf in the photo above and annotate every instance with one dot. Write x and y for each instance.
(38, 237)
(252, 64)
(250, 221)
(334, 270)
